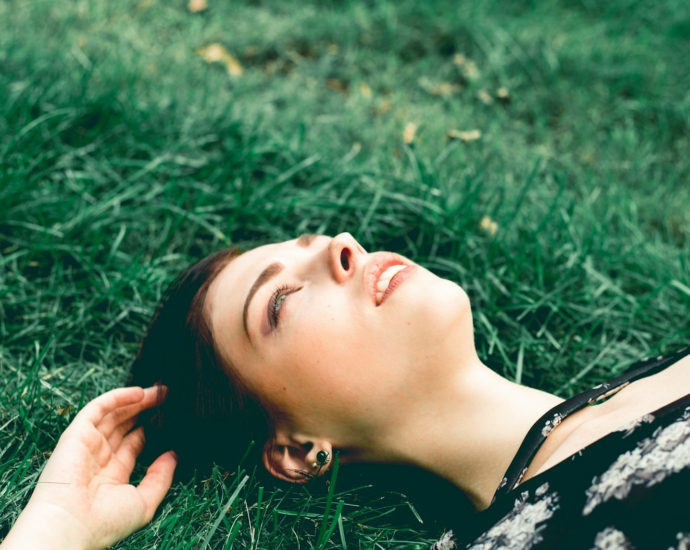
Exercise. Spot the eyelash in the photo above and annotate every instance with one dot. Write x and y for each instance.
(274, 307)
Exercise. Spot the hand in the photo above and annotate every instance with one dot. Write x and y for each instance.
(83, 498)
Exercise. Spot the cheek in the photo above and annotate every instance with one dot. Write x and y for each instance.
(331, 353)
(337, 354)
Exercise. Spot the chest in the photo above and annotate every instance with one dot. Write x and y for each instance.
(626, 407)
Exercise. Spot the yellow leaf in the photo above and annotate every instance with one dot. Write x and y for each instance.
(337, 85)
(141, 6)
(489, 226)
(197, 5)
(64, 411)
(467, 66)
(444, 89)
(466, 135)
(365, 89)
(384, 107)
(484, 97)
(409, 132)
(215, 53)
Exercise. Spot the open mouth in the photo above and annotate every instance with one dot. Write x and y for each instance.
(384, 273)
(384, 281)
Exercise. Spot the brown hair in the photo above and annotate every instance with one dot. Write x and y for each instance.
(208, 415)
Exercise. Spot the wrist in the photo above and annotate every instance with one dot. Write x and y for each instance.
(47, 526)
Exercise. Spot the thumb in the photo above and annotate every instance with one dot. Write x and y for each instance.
(156, 483)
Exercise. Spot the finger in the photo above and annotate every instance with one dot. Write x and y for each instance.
(97, 409)
(131, 448)
(115, 439)
(113, 420)
(156, 482)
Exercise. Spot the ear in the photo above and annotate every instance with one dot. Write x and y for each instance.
(292, 458)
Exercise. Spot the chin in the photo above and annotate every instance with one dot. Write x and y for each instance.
(436, 330)
(438, 307)
(450, 304)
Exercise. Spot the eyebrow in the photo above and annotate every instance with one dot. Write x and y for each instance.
(305, 239)
(265, 276)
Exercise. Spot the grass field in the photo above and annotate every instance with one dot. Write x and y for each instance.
(535, 152)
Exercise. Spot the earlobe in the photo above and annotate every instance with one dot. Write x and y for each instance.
(295, 461)
(283, 464)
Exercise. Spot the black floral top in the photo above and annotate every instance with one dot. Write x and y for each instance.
(630, 489)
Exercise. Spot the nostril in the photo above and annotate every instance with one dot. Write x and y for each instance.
(345, 258)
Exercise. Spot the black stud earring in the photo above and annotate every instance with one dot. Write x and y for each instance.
(323, 457)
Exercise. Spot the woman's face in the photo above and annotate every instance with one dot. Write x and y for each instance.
(313, 327)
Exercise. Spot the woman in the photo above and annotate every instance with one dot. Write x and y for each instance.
(316, 346)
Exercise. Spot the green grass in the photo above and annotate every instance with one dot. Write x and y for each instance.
(124, 156)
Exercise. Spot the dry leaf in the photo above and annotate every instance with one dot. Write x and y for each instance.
(467, 66)
(141, 6)
(337, 85)
(215, 53)
(489, 226)
(383, 107)
(294, 56)
(196, 5)
(365, 89)
(333, 49)
(503, 95)
(444, 89)
(484, 97)
(409, 132)
(64, 411)
(466, 135)
(270, 68)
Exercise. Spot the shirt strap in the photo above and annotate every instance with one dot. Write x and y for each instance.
(543, 427)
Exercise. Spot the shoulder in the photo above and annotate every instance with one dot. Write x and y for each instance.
(633, 404)
(621, 492)
(647, 395)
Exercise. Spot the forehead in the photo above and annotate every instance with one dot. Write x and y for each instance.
(227, 293)
(231, 285)
(242, 271)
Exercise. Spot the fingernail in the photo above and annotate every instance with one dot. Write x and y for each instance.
(174, 454)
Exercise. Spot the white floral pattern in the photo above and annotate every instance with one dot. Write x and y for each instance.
(446, 542)
(551, 424)
(683, 541)
(611, 539)
(519, 479)
(541, 490)
(655, 458)
(521, 528)
(631, 426)
(630, 465)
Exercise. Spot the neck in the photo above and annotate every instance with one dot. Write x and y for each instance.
(467, 430)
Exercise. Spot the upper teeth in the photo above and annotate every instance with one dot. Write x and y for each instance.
(385, 279)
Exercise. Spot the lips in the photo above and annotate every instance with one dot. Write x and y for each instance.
(380, 266)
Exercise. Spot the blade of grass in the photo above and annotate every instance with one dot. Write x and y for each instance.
(223, 513)
(329, 502)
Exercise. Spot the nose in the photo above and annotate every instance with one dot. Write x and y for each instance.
(344, 256)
